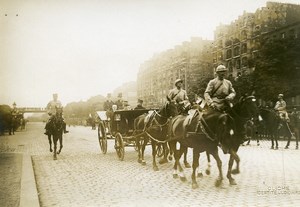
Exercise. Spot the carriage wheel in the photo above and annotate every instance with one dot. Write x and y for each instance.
(102, 138)
(159, 150)
(119, 146)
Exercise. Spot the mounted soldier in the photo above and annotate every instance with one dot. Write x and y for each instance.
(219, 92)
(179, 96)
(52, 107)
(280, 107)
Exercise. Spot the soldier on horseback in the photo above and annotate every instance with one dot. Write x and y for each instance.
(52, 107)
(179, 96)
(280, 107)
(219, 92)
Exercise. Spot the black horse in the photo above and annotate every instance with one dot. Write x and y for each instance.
(202, 132)
(295, 126)
(275, 127)
(56, 128)
(153, 126)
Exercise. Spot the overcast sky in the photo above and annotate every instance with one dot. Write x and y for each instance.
(80, 49)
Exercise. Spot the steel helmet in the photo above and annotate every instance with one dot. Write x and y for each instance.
(178, 81)
(221, 68)
(280, 95)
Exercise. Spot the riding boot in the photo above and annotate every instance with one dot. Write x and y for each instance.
(47, 129)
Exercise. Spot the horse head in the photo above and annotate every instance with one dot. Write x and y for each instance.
(246, 108)
(169, 109)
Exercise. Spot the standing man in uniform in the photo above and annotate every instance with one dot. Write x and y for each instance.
(51, 108)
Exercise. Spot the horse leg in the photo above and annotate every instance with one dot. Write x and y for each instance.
(219, 164)
(138, 144)
(186, 164)
(55, 147)
(60, 143)
(237, 160)
(166, 152)
(50, 142)
(230, 178)
(172, 145)
(153, 144)
(207, 171)
(179, 154)
(196, 156)
(289, 135)
(145, 141)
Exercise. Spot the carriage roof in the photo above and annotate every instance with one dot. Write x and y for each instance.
(129, 114)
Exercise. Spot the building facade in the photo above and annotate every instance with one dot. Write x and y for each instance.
(236, 45)
(189, 61)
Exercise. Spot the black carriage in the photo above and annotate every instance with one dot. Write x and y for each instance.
(118, 125)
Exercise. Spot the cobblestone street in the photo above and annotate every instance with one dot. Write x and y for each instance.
(83, 176)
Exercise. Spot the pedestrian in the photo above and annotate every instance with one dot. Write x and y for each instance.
(120, 102)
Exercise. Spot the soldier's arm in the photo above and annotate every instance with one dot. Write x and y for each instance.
(207, 92)
(232, 92)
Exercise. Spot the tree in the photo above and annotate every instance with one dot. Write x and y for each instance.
(277, 69)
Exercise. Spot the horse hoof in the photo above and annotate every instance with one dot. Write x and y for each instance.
(272, 147)
(286, 147)
(175, 176)
(183, 179)
(195, 186)
(218, 182)
(200, 175)
(207, 172)
(144, 163)
(163, 161)
(235, 171)
(232, 182)
(276, 147)
(139, 161)
(187, 165)
(155, 168)
(54, 158)
(296, 147)
(51, 150)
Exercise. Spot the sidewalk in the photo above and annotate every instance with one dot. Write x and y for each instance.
(17, 182)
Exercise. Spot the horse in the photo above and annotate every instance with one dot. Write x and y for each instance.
(275, 126)
(252, 131)
(153, 126)
(244, 110)
(202, 132)
(56, 128)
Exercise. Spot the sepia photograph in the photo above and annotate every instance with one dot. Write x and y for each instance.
(152, 103)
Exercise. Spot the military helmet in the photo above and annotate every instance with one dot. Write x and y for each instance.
(221, 68)
(178, 81)
(280, 95)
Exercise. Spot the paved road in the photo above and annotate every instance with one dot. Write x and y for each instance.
(83, 176)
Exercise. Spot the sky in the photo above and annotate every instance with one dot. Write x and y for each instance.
(80, 49)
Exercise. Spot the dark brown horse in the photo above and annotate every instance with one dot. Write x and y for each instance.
(56, 128)
(202, 132)
(275, 127)
(153, 126)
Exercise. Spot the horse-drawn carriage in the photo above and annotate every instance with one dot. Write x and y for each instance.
(118, 125)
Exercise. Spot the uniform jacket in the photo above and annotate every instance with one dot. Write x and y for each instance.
(51, 107)
(218, 96)
(178, 95)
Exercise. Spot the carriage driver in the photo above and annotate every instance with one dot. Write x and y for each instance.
(51, 108)
(280, 107)
(179, 95)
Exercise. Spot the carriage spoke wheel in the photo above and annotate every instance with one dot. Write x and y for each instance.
(159, 150)
(119, 146)
(102, 138)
